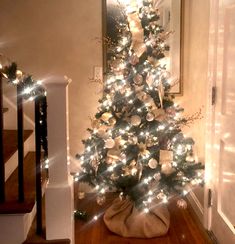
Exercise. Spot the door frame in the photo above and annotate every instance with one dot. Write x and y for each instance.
(210, 114)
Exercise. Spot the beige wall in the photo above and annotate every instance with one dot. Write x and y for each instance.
(195, 60)
(53, 38)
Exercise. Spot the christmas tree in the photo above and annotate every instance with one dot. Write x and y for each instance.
(136, 145)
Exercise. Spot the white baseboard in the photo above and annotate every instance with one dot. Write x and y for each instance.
(196, 205)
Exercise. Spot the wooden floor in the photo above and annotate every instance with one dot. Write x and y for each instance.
(185, 228)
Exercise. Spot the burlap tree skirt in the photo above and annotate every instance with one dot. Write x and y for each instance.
(125, 220)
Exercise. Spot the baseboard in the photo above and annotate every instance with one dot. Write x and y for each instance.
(196, 205)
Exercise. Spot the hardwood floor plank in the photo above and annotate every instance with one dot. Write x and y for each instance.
(184, 228)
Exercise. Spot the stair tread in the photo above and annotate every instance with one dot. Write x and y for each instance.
(43, 241)
(11, 143)
(11, 204)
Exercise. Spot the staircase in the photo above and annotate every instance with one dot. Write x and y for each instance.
(23, 177)
(18, 208)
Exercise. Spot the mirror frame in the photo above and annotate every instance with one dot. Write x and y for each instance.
(179, 72)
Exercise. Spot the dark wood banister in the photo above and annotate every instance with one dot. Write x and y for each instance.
(2, 165)
(39, 101)
(20, 128)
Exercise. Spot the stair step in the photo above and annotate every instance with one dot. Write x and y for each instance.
(42, 241)
(11, 143)
(11, 205)
(5, 110)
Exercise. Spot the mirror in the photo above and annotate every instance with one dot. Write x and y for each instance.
(170, 19)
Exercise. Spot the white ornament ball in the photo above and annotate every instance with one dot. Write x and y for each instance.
(135, 120)
(110, 143)
(153, 163)
(149, 117)
(167, 168)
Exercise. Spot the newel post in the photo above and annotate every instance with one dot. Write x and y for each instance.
(59, 191)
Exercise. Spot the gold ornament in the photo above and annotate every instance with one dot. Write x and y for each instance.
(110, 143)
(106, 116)
(181, 203)
(153, 163)
(100, 199)
(135, 120)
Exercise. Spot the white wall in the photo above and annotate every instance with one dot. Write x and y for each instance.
(56, 38)
(195, 66)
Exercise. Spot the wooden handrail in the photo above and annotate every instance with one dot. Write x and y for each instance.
(2, 165)
(20, 128)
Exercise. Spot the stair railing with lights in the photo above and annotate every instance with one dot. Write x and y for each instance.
(26, 88)
(59, 187)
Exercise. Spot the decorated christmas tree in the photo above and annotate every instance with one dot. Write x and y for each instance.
(136, 145)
